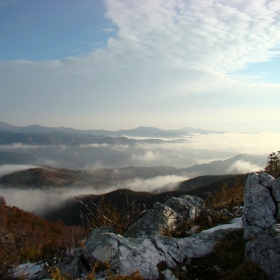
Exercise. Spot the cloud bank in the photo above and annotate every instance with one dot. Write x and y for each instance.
(40, 201)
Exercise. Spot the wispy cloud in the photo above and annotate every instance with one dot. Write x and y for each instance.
(146, 157)
(19, 146)
(104, 145)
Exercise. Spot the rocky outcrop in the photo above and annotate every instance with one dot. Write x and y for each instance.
(153, 256)
(144, 247)
(261, 228)
(168, 217)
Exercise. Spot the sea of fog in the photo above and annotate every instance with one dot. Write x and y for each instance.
(195, 149)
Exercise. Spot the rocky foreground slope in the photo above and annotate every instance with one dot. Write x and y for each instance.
(144, 247)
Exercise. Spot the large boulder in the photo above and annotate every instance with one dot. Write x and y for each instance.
(168, 217)
(260, 214)
(259, 208)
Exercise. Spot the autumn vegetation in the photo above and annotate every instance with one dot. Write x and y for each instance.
(26, 237)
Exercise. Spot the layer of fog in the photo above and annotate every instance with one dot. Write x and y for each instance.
(200, 148)
(244, 167)
(40, 201)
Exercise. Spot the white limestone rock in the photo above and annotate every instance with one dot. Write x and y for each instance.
(30, 271)
(153, 256)
(262, 233)
(266, 180)
(167, 217)
(156, 221)
(259, 207)
(168, 275)
(99, 247)
(188, 207)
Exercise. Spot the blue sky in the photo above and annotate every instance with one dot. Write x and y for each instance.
(116, 64)
(47, 29)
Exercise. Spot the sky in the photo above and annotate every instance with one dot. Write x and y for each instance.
(119, 64)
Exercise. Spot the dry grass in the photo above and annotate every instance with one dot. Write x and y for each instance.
(91, 275)
(229, 256)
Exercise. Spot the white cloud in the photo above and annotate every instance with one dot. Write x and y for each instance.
(163, 49)
(109, 30)
(95, 145)
(198, 34)
(153, 184)
(241, 166)
(147, 157)
(19, 146)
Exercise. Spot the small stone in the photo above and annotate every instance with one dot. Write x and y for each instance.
(275, 230)
(226, 213)
(217, 269)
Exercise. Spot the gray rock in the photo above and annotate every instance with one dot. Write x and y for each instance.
(75, 267)
(98, 246)
(226, 213)
(168, 275)
(166, 218)
(238, 211)
(276, 195)
(157, 221)
(262, 233)
(275, 230)
(266, 180)
(265, 251)
(188, 207)
(259, 207)
(153, 256)
(216, 269)
(30, 271)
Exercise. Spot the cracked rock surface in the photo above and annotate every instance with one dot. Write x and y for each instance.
(153, 256)
(261, 229)
(144, 247)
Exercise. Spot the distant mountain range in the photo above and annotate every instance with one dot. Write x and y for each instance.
(62, 138)
(142, 131)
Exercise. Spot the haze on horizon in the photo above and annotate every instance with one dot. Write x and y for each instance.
(117, 64)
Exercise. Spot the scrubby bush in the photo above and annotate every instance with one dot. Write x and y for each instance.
(226, 196)
(104, 213)
(273, 164)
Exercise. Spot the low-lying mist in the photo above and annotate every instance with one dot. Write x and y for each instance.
(192, 150)
(9, 168)
(41, 201)
(185, 152)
